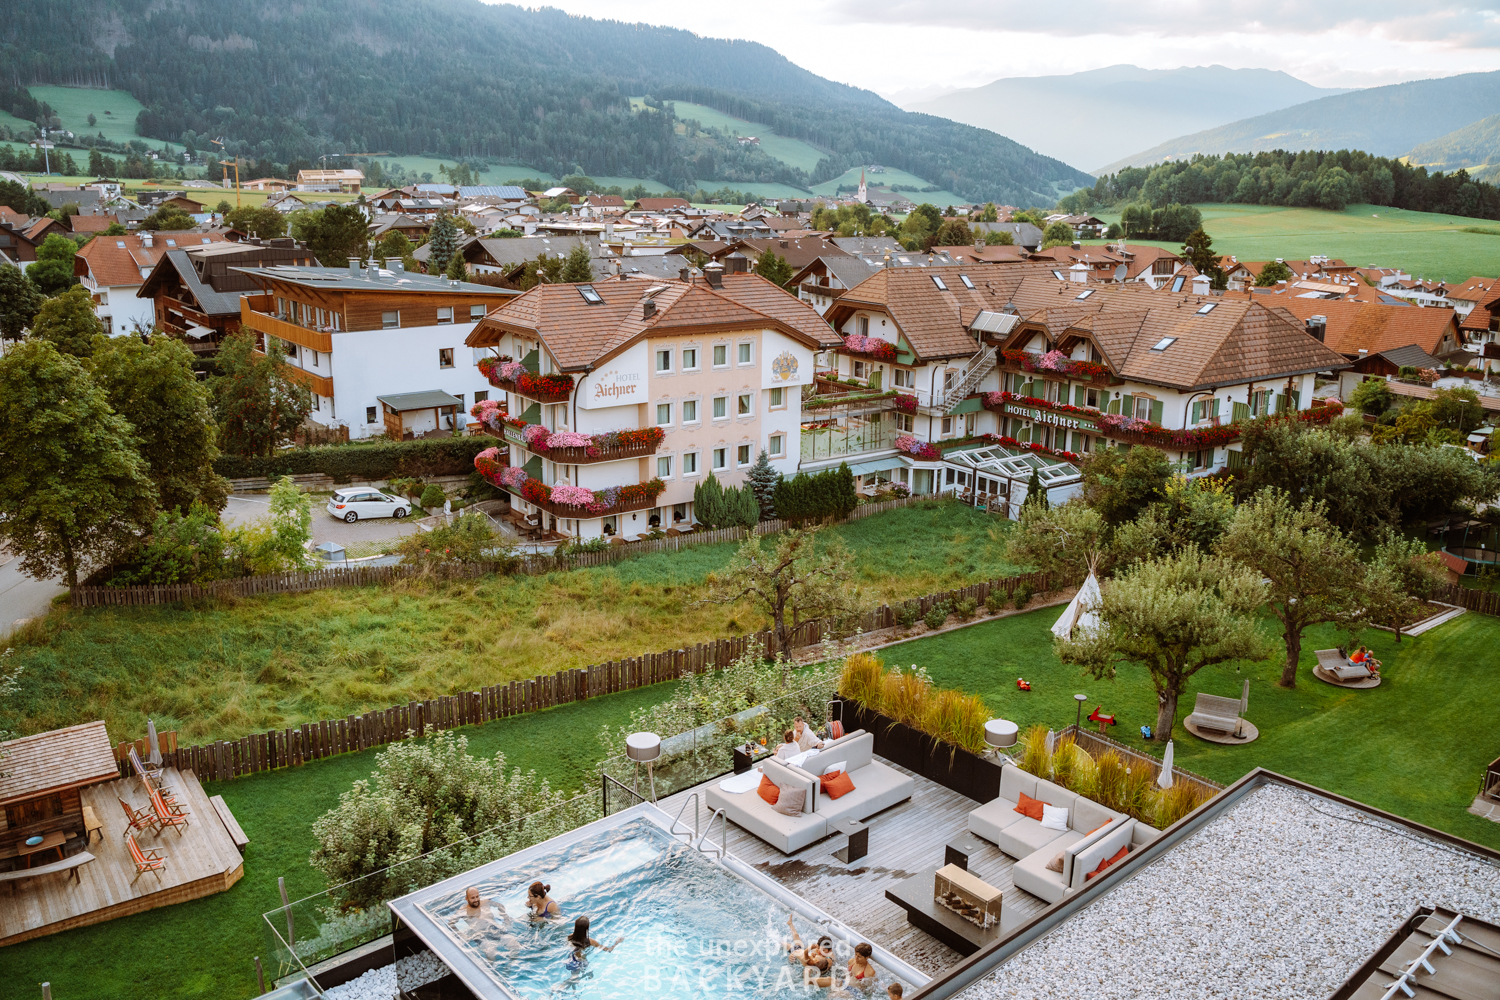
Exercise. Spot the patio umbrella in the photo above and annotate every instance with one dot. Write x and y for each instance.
(154, 757)
(1165, 778)
(1051, 739)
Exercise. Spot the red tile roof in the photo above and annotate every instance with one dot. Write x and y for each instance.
(113, 265)
(91, 223)
(1374, 326)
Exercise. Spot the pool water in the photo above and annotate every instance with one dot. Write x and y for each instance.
(690, 929)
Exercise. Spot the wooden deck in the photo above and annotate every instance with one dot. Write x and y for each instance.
(201, 862)
(904, 840)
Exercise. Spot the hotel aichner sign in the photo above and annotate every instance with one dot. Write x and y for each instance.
(1040, 415)
(617, 387)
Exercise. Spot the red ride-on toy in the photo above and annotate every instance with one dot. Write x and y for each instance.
(1023, 684)
(1104, 720)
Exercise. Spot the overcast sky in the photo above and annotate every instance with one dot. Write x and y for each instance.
(906, 45)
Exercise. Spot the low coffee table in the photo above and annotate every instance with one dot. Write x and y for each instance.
(745, 758)
(914, 895)
(859, 840)
(960, 849)
(51, 842)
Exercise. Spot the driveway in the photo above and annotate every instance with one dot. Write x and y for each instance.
(20, 595)
(243, 509)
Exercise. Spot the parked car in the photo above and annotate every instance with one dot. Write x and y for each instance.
(351, 505)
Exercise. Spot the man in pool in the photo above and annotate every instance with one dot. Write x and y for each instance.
(487, 925)
(816, 960)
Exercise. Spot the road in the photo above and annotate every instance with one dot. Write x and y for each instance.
(21, 596)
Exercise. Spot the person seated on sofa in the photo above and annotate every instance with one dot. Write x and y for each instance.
(806, 738)
(788, 746)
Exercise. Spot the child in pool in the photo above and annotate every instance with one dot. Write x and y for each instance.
(579, 944)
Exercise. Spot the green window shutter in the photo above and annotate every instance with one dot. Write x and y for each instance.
(1241, 411)
(1215, 413)
(1296, 397)
(1080, 396)
(532, 414)
(531, 362)
(533, 467)
(1024, 435)
(1158, 410)
(1197, 412)
(1127, 405)
(1114, 406)
(1281, 402)
(1236, 458)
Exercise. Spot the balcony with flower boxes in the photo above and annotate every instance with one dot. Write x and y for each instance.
(562, 499)
(1055, 363)
(566, 447)
(513, 376)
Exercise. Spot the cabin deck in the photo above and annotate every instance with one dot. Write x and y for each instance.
(201, 862)
(904, 840)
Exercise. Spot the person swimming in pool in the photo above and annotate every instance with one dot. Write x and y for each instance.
(487, 925)
(541, 905)
(579, 944)
(816, 960)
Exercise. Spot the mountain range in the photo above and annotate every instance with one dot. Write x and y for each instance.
(1394, 120)
(537, 88)
(1098, 116)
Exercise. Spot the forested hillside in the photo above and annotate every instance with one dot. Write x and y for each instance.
(457, 78)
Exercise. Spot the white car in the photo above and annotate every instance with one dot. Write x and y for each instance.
(351, 505)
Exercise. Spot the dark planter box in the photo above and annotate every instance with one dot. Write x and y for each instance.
(949, 766)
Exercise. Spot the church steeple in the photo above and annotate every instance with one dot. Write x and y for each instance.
(864, 197)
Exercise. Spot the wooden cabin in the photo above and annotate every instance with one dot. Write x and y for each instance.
(41, 778)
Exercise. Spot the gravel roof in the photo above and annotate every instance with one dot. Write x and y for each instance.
(1281, 897)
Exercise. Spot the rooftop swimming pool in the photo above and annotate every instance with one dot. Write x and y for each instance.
(688, 924)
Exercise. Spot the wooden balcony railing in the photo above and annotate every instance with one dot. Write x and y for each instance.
(563, 510)
(314, 340)
(578, 456)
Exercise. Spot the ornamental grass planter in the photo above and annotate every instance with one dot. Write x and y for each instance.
(950, 766)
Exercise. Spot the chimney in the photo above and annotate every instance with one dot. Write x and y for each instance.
(683, 274)
(648, 308)
(353, 267)
(783, 244)
(399, 266)
(147, 237)
(1077, 245)
(1317, 328)
(713, 273)
(1200, 284)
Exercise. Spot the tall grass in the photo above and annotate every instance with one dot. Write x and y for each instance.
(1109, 785)
(957, 718)
(1106, 780)
(1034, 756)
(271, 662)
(1176, 802)
(903, 696)
(862, 679)
(953, 717)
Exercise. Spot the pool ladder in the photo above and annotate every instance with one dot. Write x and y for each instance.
(696, 840)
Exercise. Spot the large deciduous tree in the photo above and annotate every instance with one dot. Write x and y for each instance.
(797, 577)
(152, 385)
(53, 270)
(256, 402)
(73, 489)
(1119, 485)
(258, 220)
(1314, 569)
(69, 323)
(20, 301)
(1174, 616)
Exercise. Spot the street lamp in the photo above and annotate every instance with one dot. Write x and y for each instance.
(1080, 698)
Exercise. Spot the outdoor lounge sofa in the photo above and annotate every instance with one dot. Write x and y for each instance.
(1216, 713)
(877, 786)
(1094, 833)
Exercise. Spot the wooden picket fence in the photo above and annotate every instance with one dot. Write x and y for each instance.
(359, 576)
(290, 747)
(1486, 602)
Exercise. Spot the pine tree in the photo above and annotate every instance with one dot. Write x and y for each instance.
(1035, 492)
(708, 502)
(457, 270)
(577, 267)
(845, 498)
(747, 510)
(442, 243)
(765, 482)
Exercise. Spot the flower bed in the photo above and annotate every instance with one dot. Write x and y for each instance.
(569, 500)
(825, 402)
(870, 347)
(1056, 363)
(918, 449)
(996, 400)
(906, 404)
(514, 377)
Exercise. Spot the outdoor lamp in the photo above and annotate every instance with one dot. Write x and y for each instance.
(644, 748)
(1080, 698)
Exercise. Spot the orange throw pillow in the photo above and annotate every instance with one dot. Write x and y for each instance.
(768, 790)
(1100, 827)
(836, 784)
(1107, 862)
(1029, 806)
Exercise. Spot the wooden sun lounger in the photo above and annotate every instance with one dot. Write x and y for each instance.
(1336, 664)
(150, 859)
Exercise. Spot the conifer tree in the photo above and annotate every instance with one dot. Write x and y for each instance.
(443, 243)
(765, 482)
(577, 267)
(708, 502)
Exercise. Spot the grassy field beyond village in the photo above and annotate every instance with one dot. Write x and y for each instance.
(268, 663)
(1424, 244)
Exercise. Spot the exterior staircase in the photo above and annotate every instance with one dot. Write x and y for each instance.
(979, 366)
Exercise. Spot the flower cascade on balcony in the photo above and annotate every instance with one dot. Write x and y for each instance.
(995, 400)
(870, 347)
(539, 438)
(923, 450)
(515, 479)
(514, 376)
(1055, 363)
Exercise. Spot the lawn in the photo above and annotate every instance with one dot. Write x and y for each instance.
(1424, 244)
(1416, 746)
(267, 663)
(204, 948)
(74, 105)
(850, 179)
(792, 152)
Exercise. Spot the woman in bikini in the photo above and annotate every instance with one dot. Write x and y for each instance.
(860, 966)
(816, 962)
(541, 905)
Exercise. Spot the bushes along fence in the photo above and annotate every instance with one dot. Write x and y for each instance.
(359, 462)
(278, 748)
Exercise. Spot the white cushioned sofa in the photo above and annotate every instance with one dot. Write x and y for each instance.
(1093, 833)
(877, 786)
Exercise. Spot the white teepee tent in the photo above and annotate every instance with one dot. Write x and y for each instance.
(1082, 611)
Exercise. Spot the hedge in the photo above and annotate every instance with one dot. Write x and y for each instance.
(349, 462)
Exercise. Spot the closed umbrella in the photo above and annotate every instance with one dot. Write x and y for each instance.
(155, 755)
(1165, 779)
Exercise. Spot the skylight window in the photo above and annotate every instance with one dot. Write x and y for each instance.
(1178, 282)
(1084, 294)
(1057, 275)
(120, 244)
(967, 282)
(904, 260)
(171, 243)
(590, 295)
(1207, 308)
(937, 279)
(1163, 343)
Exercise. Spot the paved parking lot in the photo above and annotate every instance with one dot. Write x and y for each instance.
(242, 509)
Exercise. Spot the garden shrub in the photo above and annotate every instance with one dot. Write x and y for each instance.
(995, 602)
(907, 615)
(966, 607)
(433, 496)
(1023, 594)
(936, 616)
(360, 462)
(468, 539)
